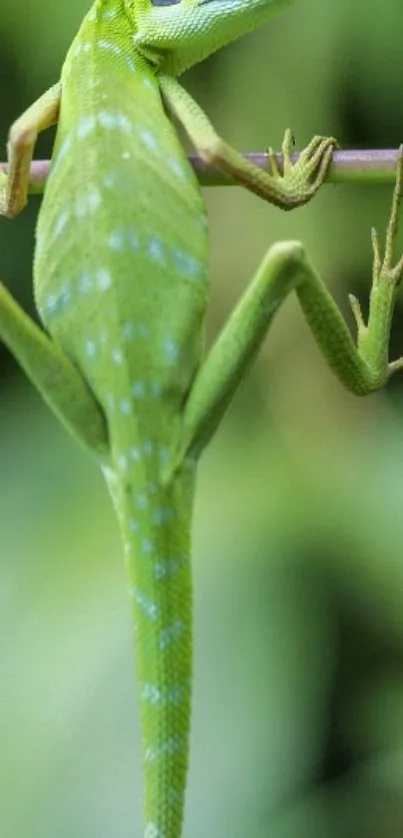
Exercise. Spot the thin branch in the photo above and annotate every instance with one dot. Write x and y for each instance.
(370, 167)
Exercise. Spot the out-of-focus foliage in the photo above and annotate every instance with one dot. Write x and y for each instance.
(297, 727)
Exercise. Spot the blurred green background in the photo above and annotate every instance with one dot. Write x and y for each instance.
(298, 707)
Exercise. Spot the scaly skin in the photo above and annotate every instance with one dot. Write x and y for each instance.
(121, 283)
(133, 211)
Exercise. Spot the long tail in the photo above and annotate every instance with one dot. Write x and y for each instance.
(155, 527)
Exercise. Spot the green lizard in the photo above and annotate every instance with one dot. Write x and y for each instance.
(121, 283)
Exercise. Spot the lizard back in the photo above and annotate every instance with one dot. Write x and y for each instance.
(120, 281)
(121, 236)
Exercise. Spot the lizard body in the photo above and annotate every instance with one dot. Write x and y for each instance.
(133, 212)
(121, 284)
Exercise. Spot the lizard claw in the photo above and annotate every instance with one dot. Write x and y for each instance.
(384, 268)
(302, 177)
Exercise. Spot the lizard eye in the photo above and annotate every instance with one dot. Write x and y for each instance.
(165, 2)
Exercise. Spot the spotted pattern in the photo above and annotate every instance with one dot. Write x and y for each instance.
(168, 568)
(152, 831)
(172, 745)
(175, 694)
(130, 345)
(146, 605)
(171, 633)
(119, 241)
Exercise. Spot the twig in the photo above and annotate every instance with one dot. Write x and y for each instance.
(370, 167)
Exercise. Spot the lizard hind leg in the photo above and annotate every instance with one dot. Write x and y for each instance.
(386, 278)
(54, 375)
(361, 369)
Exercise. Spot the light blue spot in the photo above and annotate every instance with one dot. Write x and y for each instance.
(87, 47)
(88, 203)
(106, 119)
(138, 390)
(187, 265)
(63, 152)
(148, 83)
(94, 199)
(204, 222)
(104, 279)
(109, 46)
(171, 746)
(61, 222)
(85, 126)
(148, 448)
(151, 693)
(115, 240)
(148, 607)
(171, 350)
(131, 65)
(152, 831)
(171, 633)
(135, 454)
(90, 348)
(162, 515)
(81, 207)
(109, 180)
(51, 302)
(110, 120)
(149, 139)
(168, 568)
(156, 250)
(125, 407)
(117, 355)
(134, 525)
(152, 488)
(146, 546)
(85, 283)
(165, 454)
(124, 123)
(123, 462)
(40, 242)
(65, 296)
(128, 331)
(176, 167)
(173, 695)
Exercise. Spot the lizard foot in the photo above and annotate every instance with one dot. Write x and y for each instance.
(387, 274)
(302, 178)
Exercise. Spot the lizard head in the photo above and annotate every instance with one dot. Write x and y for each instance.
(175, 34)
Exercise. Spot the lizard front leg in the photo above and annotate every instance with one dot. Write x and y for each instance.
(21, 142)
(54, 375)
(296, 186)
(362, 368)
